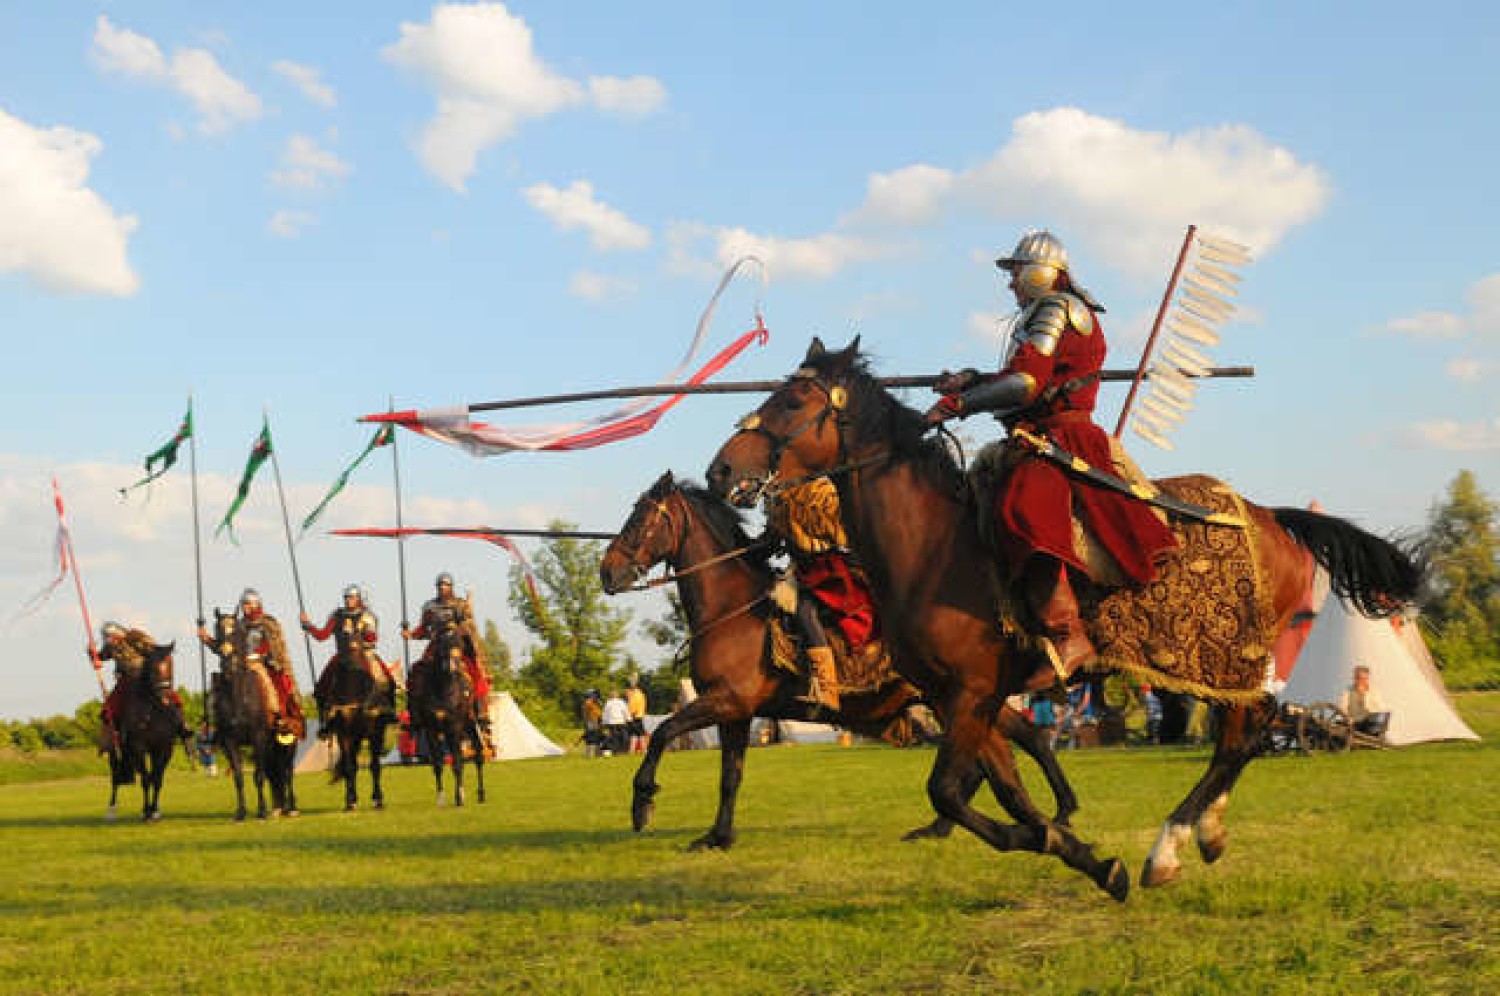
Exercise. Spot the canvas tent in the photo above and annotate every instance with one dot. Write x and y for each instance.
(514, 735)
(1401, 671)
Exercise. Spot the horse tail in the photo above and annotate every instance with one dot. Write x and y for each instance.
(1377, 576)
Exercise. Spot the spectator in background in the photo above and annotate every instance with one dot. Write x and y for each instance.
(1364, 706)
(1044, 715)
(204, 744)
(592, 712)
(635, 701)
(616, 719)
(1153, 713)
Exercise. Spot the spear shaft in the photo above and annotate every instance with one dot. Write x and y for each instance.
(746, 387)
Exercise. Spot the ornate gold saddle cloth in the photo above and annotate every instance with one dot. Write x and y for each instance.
(869, 670)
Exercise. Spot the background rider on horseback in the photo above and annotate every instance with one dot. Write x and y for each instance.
(130, 649)
(355, 631)
(805, 518)
(266, 646)
(1048, 385)
(444, 613)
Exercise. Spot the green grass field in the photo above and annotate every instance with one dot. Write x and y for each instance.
(1370, 872)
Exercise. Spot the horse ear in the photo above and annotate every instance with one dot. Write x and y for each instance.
(853, 347)
(816, 351)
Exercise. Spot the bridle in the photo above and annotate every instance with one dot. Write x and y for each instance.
(662, 516)
(836, 403)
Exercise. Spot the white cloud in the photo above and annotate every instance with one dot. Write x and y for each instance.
(1126, 194)
(910, 196)
(599, 287)
(288, 224)
(1481, 319)
(480, 62)
(574, 207)
(1453, 436)
(307, 79)
(309, 166)
(636, 96)
(815, 257)
(53, 228)
(988, 328)
(221, 100)
(1468, 370)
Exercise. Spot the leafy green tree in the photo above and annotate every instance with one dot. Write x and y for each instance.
(579, 634)
(497, 654)
(670, 632)
(1463, 608)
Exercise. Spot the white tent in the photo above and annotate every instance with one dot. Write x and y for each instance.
(1409, 685)
(514, 735)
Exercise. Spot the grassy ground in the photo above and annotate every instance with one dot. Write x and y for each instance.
(1372, 871)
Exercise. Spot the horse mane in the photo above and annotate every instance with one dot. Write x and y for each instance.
(722, 519)
(873, 414)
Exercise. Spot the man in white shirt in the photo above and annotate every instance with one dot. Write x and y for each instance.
(616, 719)
(1364, 706)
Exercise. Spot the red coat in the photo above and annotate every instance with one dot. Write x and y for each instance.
(1032, 509)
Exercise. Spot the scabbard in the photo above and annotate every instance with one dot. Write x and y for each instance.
(1078, 467)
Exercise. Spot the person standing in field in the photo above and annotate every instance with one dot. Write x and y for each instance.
(635, 701)
(616, 719)
(592, 712)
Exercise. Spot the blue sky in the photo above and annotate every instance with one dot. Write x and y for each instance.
(313, 209)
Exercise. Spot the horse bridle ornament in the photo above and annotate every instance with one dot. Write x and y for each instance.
(664, 517)
(835, 406)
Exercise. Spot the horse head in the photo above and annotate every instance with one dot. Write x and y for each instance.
(808, 427)
(158, 669)
(227, 637)
(652, 534)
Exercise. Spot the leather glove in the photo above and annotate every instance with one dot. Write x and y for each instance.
(948, 406)
(949, 382)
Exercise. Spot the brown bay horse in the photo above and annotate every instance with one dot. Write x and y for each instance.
(722, 580)
(145, 734)
(244, 714)
(441, 702)
(357, 715)
(917, 532)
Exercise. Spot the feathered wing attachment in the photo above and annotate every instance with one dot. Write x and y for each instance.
(1199, 304)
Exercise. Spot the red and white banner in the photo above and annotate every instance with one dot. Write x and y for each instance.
(455, 427)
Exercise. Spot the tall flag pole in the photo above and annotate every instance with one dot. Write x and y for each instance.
(291, 547)
(208, 709)
(400, 547)
(65, 546)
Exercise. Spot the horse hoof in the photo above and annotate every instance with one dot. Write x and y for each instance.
(442, 801)
(239, 817)
(1114, 878)
(932, 831)
(291, 814)
(377, 804)
(1212, 848)
(110, 814)
(640, 815)
(1154, 875)
(350, 807)
(710, 842)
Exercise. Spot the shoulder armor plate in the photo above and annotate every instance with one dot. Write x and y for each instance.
(1044, 323)
(1079, 315)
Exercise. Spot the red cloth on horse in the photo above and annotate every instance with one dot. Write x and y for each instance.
(287, 691)
(828, 577)
(1034, 506)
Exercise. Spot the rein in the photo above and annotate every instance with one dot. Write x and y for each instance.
(674, 574)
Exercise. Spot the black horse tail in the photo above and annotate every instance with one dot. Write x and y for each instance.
(1376, 576)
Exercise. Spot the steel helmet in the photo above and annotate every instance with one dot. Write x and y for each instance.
(110, 629)
(1036, 261)
(356, 591)
(445, 579)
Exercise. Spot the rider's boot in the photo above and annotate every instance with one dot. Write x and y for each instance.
(1065, 642)
(824, 686)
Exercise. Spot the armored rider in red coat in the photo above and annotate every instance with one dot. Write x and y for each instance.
(355, 632)
(265, 645)
(1048, 386)
(447, 611)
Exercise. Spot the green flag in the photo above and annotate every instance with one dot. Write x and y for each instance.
(259, 453)
(167, 455)
(383, 437)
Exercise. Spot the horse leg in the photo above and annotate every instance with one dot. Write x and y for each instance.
(1202, 810)
(478, 761)
(237, 772)
(941, 827)
(702, 711)
(436, 750)
(286, 766)
(734, 738)
(262, 759)
(1038, 746)
(377, 749)
(349, 768)
(456, 739)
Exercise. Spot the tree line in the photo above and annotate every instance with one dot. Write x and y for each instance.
(580, 633)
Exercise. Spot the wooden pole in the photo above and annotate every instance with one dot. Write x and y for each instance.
(748, 387)
(1161, 314)
(198, 565)
(83, 604)
(291, 550)
(400, 550)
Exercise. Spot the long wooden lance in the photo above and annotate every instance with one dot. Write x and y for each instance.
(753, 387)
(479, 532)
